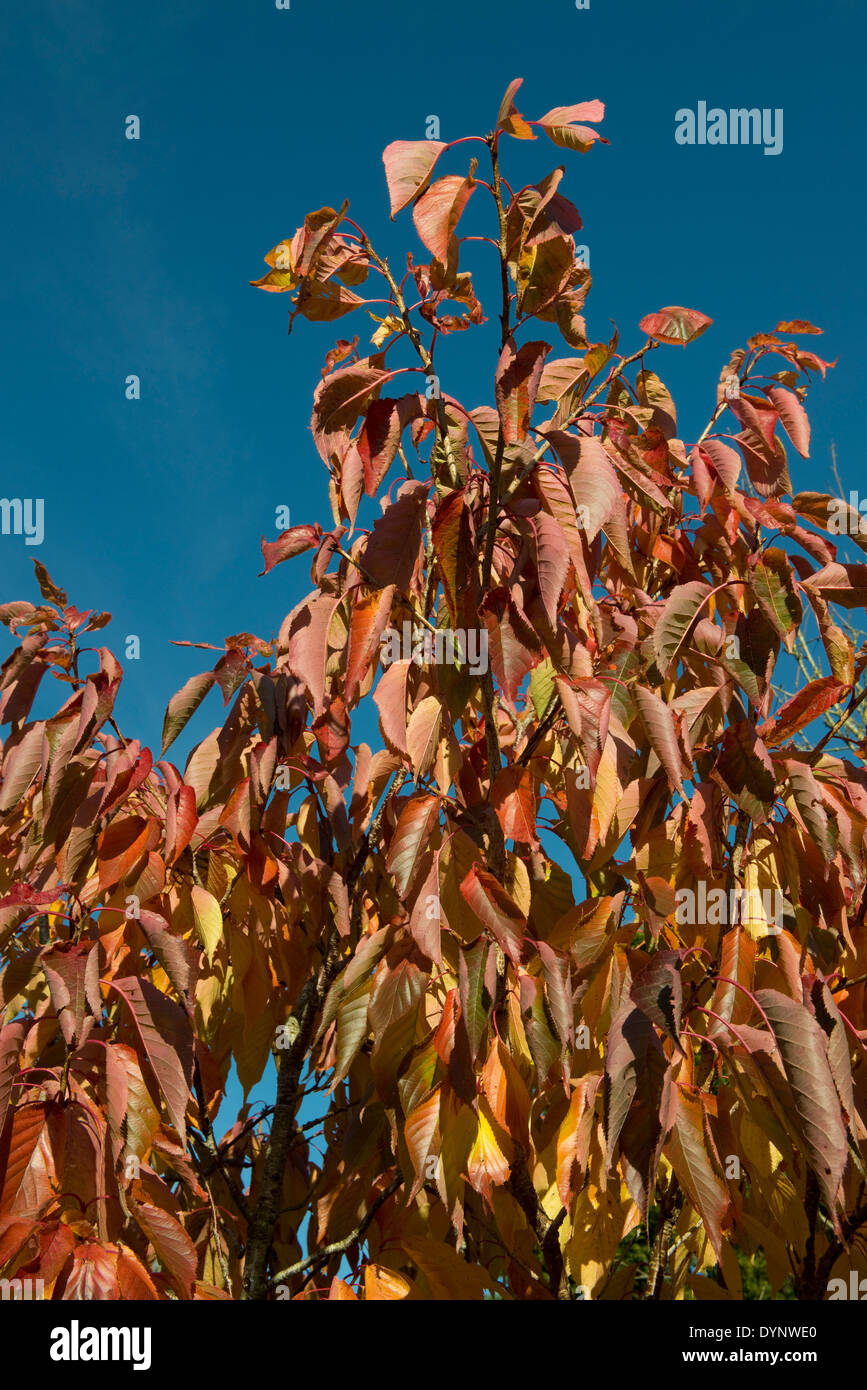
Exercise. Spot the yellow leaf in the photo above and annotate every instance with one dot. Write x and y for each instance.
(487, 1163)
(384, 1285)
(208, 919)
(422, 734)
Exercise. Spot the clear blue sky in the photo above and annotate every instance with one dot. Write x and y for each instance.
(128, 257)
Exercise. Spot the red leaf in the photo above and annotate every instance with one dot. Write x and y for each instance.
(11, 1040)
(496, 910)
(120, 847)
(393, 548)
(675, 325)
(181, 822)
(93, 1274)
(691, 1160)
(519, 372)
(745, 771)
(438, 211)
(552, 562)
(293, 541)
(167, 1040)
(380, 435)
(794, 418)
(367, 623)
(817, 1108)
(510, 659)
(172, 1246)
(658, 721)
(390, 700)
(72, 972)
(410, 839)
(408, 166)
(514, 800)
(805, 706)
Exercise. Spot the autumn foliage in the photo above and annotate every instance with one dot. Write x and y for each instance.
(508, 1064)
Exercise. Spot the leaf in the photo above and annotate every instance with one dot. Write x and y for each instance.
(629, 1038)
(173, 1247)
(408, 167)
(560, 125)
(831, 1022)
(772, 584)
(658, 720)
(496, 910)
(447, 1273)
(736, 963)
(207, 918)
(182, 707)
(507, 1094)
(476, 1003)
(308, 644)
(181, 820)
(676, 621)
(509, 119)
(558, 992)
(293, 541)
(675, 325)
(725, 461)
(344, 395)
(519, 371)
(390, 700)
(817, 1117)
(133, 1280)
(658, 992)
(383, 1285)
(368, 620)
(745, 771)
(167, 1040)
(423, 734)
(513, 798)
(352, 1029)
(419, 1132)
(595, 486)
(93, 1275)
(411, 838)
(552, 562)
(794, 418)
(509, 657)
(11, 1040)
(120, 847)
(487, 1165)
(393, 547)
(72, 972)
(379, 438)
(845, 585)
(438, 211)
(810, 805)
(807, 704)
(688, 1152)
(27, 1184)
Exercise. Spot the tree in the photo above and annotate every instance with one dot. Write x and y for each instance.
(568, 974)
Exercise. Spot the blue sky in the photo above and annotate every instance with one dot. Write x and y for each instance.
(134, 256)
(126, 257)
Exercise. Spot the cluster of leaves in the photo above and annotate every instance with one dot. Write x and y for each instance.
(521, 1069)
